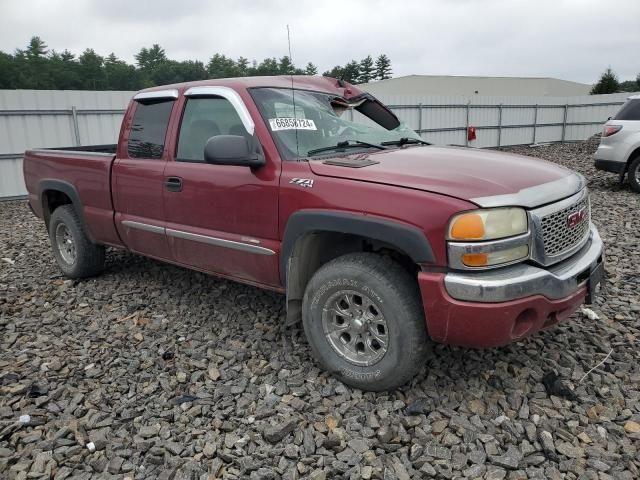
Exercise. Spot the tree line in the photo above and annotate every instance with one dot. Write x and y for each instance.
(609, 83)
(37, 67)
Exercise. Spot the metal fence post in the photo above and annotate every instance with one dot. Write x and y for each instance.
(564, 121)
(76, 129)
(466, 132)
(499, 123)
(420, 119)
(535, 123)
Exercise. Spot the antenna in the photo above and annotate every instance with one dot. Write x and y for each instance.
(293, 95)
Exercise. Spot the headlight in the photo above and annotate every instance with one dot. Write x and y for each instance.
(488, 238)
(488, 224)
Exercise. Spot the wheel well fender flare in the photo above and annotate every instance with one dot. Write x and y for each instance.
(69, 190)
(407, 238)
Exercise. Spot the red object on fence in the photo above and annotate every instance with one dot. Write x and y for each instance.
(471, 133)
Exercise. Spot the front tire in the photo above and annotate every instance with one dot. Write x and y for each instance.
(363, 318)
(634, 174)
(75, 254)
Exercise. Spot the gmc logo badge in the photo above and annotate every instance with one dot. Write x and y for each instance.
(576, 217)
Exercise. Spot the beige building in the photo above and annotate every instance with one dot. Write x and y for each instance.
(468, 86)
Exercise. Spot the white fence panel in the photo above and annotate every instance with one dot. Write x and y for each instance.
(503, 121)
(52, 118)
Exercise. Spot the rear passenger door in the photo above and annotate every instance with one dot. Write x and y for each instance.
(138, 175)
(223, 219)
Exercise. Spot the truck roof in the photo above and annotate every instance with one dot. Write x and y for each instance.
(303, 82)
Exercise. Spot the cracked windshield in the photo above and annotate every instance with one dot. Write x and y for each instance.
(322, 124)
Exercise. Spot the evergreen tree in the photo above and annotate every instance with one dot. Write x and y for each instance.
(35, 67)
(310, 69)
(638, 81)
(31, 65)
(285, 67)
(191, 70)
(63, 70)
(383, 67)
(269, 66)
(221, 66)
(242, 65)
(351, 72)
(150, 57)
(628, 86)
(119, 75)
(67, 56)
(8, 71)
(91, 70)
(335, 72)
(608, 83)
(367, 70)
(36, 49)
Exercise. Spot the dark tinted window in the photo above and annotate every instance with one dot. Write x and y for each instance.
(629, 111)
(205, 118)
(149, 128)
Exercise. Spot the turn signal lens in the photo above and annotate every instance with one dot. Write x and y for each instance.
(495, 258)
(488, 224)
(475, 259)
(468, 226)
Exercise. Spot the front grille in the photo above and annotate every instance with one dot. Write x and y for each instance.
(558, 235)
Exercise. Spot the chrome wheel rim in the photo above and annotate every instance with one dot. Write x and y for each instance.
(66, 245)
(355, 327)
(637, 175)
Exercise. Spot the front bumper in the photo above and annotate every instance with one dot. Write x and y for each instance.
(492, 308)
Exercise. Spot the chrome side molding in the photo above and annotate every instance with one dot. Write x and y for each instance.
(143, 226)
(218, 242)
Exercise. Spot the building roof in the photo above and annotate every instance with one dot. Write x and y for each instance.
(472, 85)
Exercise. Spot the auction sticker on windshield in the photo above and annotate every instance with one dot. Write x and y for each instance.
(291, 124)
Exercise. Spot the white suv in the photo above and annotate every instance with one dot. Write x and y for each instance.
(619, 149)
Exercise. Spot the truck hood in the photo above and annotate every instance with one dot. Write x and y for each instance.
(484, 177)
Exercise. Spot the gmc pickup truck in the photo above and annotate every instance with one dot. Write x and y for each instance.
(313, 188)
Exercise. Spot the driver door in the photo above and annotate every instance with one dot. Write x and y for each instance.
(221, 219)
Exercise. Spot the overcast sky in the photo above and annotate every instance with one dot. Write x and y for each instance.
(568, 39)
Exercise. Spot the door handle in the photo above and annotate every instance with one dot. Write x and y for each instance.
(173, 184)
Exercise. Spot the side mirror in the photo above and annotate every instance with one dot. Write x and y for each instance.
(231, 150)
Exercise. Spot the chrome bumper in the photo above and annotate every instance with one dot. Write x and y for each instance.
(523, 280)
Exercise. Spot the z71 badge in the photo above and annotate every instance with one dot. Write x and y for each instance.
(302, 182)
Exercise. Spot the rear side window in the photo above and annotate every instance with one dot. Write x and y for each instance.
(629, 111)
(205, 118)
(149, 129)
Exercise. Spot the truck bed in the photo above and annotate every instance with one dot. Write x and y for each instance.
(84, 175)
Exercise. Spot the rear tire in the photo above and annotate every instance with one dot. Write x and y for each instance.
(75, 254)
(634, 174)
(363, 318)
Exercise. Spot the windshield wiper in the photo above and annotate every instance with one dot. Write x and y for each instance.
(406, 141)
(345, 144)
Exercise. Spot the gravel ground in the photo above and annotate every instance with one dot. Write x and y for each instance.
(152, 371)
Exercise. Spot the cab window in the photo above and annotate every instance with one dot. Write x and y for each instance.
(149, 129)
(204, 118)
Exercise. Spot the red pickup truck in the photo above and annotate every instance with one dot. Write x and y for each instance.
(310, 187)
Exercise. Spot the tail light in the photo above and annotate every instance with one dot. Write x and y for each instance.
(610, 130)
